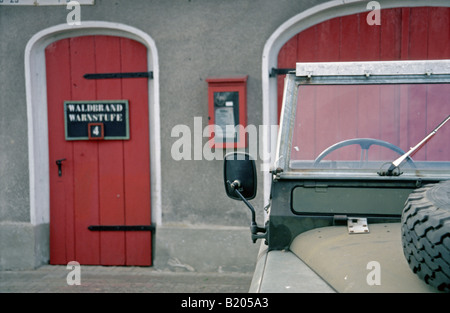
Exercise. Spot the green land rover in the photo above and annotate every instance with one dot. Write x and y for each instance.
(360, 191)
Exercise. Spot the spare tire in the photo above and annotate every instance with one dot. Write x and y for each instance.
(426, 234)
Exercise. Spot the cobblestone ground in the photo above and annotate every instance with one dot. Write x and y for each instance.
(104, 279)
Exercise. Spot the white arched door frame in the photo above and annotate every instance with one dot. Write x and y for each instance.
(36, 98)
(286, 31)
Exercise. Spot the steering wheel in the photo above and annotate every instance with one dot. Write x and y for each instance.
(365, 144)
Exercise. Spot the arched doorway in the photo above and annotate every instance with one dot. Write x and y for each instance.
(327, 15)
(38, 143)
(419, 33)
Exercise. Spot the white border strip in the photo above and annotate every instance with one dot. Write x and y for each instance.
(44, 2)
(36, 97)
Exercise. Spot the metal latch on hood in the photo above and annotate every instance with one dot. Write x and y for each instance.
(357, 225)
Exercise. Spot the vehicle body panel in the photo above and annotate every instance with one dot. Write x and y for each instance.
(349, 262)
(282, 271)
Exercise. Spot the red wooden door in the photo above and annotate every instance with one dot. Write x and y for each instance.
(420, 33)
(104, 182)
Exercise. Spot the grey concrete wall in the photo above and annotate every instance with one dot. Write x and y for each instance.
(22, 245)
(195, 39)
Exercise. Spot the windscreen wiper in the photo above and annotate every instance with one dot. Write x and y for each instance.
(395, 164)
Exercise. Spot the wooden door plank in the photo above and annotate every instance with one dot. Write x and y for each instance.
(389, 107)
(110, 157)
(416, 29)
(347, 102)
(304, 142)
(417, 120)
(328, 38)
(437, 98)
(369, 116)
(350, 45)
(306, 46)
(61, 200)
(137, 154)
(369, 38)
(326, 128)
(390, 40)
(87, 243)
(439, 33)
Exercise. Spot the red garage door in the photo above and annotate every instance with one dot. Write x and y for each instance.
(100, 195)
(421, 33)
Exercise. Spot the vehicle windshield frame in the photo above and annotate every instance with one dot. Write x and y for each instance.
(351, 73)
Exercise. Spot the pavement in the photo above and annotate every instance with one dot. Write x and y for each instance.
(114, 279)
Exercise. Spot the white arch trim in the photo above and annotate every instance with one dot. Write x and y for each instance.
(36, 98)
(293, 26)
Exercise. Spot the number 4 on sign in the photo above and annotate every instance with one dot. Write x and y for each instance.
(96, 131)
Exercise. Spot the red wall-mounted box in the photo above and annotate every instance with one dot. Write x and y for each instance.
(227, 106)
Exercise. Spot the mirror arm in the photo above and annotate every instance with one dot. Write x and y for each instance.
(254, 228)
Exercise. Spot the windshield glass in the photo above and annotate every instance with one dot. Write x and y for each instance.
(360, 127)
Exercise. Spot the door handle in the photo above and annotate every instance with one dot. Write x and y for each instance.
(59, 163)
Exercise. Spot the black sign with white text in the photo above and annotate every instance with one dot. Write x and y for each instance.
(111, 116)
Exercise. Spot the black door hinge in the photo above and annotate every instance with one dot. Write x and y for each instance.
(122, 228)
(280, 71)
(119, 75)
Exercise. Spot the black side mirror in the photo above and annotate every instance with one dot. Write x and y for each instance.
(239, 173)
